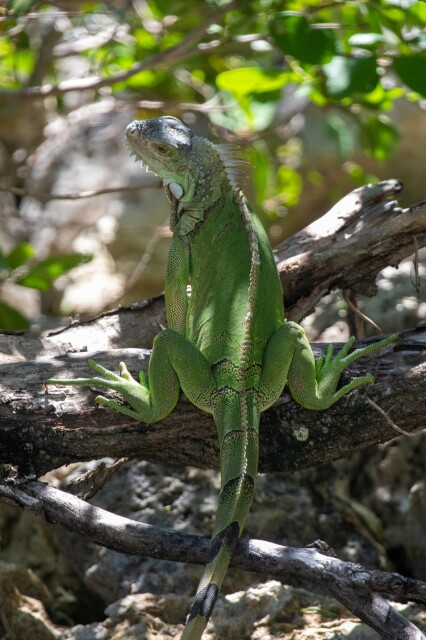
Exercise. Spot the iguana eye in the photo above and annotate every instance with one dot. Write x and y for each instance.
(162, 149)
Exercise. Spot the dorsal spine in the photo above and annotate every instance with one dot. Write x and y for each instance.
(232, 170)
(233, 167)
(251, 299)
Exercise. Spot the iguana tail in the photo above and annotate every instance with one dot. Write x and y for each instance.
(239, 458)
(237, 421)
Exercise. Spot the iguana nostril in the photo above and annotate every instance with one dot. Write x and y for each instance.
(132, 129)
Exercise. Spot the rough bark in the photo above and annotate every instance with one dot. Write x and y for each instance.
(363, 233)
(40, 431)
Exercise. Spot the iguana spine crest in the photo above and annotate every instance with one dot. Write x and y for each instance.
(249, 317)
(231, 166)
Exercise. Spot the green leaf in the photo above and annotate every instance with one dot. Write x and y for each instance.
(379, 138)
(18, 7)
(19, 255)
(7, 47)
(381, 99)
(11, 319)
(144, 39)
(418, 11)
(412, 71)
(340, 130)
(145, 79)
(346, 76)
(358, 174)
(296, 37)
(249, 80)
(289, 185)
(3, 263)
(45, 272)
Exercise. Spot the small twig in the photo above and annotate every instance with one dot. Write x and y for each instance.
(359, 313)
(210, 105)
(87, 484)
(389, 421)
(45, 197)
(47, 15)
(92, 41)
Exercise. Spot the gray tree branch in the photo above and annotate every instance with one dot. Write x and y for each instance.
(41, 431)
(346, 248)
(355, 587)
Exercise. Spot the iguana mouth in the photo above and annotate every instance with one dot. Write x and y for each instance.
(134, 142)
(130, 139)
(142, 163)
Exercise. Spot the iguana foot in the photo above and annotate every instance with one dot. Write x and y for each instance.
(135, 394)
(329, 369)
(313, 383)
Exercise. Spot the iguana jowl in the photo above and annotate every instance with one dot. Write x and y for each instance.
(227, 344)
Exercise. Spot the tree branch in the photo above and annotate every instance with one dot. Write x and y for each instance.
(362, 234)
(355, 587)
(40, 431)
(46, 197)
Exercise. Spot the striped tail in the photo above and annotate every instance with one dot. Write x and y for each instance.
(234, 504)
(237, 421)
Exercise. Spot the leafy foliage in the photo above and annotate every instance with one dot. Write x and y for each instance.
(300, 38)
(253, 68)
(347, 56)
(18, 267)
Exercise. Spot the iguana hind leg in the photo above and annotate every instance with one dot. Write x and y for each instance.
(174, 362)
(288, 357)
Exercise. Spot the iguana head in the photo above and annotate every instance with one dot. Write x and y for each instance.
(190, 166)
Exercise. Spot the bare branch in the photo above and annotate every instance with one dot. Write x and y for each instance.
(394, 426)
(45, 197)
(354, 586)
(209, 105)
(40, 431)
(361, 235)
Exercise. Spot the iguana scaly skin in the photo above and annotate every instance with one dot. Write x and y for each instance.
(227, 344)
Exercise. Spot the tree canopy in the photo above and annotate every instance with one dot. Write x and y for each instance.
(259, 72)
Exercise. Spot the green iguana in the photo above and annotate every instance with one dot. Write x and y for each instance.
(227, 344)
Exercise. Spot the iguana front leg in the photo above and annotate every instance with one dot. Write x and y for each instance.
(288, 357)
(174, 362)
